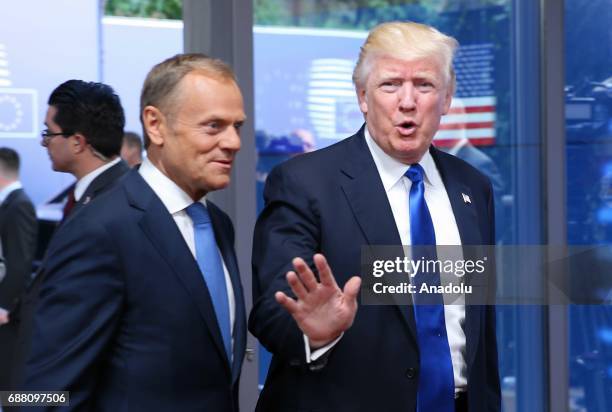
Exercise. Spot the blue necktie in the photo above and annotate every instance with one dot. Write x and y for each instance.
(211, 266)
(436, 392)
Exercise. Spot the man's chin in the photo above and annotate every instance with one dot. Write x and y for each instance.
(219, 183)
(410, 154)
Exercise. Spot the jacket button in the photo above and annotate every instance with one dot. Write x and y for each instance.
(411, 373)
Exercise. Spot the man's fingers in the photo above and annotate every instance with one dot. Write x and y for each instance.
(286, 302)
(296, 285)
(305, 274)
(351, 289)
(325, 273)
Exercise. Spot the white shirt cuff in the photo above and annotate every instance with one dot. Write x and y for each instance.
(313, 356)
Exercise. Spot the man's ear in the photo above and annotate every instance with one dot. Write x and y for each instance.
(78, 143)
(361, 97)
(153, 122)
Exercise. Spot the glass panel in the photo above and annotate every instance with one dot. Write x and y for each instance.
(306, 101)
(588, 120)
(107, 49)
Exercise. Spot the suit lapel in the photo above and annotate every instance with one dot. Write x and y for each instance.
(366, 195)
(100, 183)
(161, 230)
(458, 193)
(225, 244)
(466, 217)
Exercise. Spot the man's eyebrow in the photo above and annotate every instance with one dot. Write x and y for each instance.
(425, 75)
(390, 76)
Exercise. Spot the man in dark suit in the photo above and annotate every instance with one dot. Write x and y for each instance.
(386, 185)
(142, 307)
(17, 245)
(84, 134)
(83, 137)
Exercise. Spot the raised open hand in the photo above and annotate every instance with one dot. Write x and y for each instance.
(322, 310)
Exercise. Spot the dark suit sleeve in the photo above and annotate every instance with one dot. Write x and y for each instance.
(18, 246)
(287, 228)
(77, 314)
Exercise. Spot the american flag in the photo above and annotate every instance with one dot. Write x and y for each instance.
(472, 118)
(472, 113)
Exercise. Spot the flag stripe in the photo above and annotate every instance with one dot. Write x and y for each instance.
(470, 125)
(472, 109)
(481, 141)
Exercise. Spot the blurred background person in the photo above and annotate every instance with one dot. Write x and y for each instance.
(84, 131)
(131, 149)
(17, 245)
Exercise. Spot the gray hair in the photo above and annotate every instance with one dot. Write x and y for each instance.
(159, 89)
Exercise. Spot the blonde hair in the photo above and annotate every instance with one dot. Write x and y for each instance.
(159, 88)
(406, 41)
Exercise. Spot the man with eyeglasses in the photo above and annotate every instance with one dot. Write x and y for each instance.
(83, 137)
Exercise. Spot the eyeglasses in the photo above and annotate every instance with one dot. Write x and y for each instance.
(46, 136)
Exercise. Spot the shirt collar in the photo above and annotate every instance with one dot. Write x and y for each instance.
(392, 170)
(4, 193)
(84, 182)
(172, 196)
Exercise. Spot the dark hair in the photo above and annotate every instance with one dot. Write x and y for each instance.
(93, 110)
(9, 160)
(132, 140)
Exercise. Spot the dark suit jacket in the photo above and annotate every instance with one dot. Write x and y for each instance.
(332, 201)
(105, 181)
(125, 321)
(18, 235)
(27, 301)
(99, 185)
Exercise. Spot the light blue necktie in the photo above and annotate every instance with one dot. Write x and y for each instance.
(211, 267)
(436, 392)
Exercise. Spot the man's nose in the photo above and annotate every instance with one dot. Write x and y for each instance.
(231, 139)
(407, 97)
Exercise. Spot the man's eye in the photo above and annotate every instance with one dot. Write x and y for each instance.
(425, 85)
(212, 127)
(389, 86)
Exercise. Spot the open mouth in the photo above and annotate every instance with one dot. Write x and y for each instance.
(406, 128)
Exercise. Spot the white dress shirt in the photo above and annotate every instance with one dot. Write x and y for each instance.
(84, 182)
(397, 186)
(176, 201)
